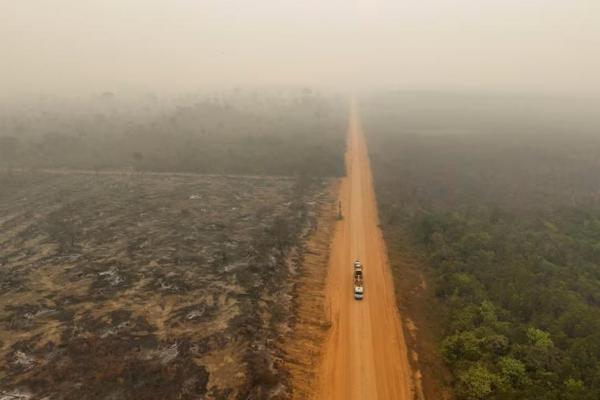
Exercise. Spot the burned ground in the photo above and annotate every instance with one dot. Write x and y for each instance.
(120, 286)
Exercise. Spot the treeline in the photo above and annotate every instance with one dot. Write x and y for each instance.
(237, 133)
(507, 218)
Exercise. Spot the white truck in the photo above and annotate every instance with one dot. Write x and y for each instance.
(359, 290)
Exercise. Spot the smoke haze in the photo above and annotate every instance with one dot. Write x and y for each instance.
(79, 46)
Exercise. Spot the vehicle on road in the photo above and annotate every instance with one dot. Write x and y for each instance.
(359, 290)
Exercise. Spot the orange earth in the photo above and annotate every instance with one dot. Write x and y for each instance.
(365, 354)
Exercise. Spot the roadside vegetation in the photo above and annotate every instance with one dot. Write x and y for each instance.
(500, 197)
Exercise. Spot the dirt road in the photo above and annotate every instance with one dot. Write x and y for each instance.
(365, 355)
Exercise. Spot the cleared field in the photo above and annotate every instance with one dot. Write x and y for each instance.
(149, 286)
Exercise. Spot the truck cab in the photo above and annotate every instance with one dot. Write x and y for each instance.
(359, 290)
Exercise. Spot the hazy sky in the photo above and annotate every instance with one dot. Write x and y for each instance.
(94, 45)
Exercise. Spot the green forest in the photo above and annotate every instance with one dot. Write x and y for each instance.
(239, 132)
(506, 217)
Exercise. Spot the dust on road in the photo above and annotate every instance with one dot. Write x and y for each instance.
(365, 355)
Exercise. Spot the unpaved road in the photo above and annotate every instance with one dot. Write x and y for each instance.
(365, 354)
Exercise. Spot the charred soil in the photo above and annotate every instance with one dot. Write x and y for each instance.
(150, 286)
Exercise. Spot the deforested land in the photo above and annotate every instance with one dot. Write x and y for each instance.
(141, 278)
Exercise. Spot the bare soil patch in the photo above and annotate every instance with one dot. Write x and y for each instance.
(119, 286)
(303, 345)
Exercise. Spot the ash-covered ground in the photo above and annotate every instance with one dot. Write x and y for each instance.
(157, 286)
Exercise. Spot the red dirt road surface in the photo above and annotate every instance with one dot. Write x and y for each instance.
(365, 355)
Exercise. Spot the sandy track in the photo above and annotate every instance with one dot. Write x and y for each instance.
(365, 354)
